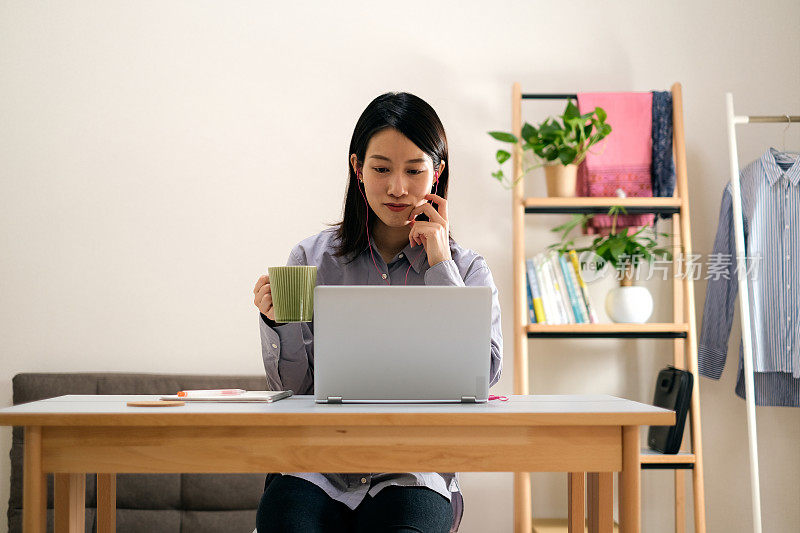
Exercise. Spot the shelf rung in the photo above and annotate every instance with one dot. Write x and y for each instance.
(652, 459)
(556, 525)
(654, 330)
(634, 205)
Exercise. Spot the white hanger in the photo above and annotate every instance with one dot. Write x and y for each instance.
(783, 146)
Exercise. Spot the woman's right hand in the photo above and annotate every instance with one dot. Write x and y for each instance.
(263, 299)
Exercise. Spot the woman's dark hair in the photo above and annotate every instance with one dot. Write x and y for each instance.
(414, 118)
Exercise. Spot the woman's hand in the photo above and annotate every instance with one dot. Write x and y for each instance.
(263, 299)
(433, 235)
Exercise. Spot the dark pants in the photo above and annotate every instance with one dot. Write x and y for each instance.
(293, 505)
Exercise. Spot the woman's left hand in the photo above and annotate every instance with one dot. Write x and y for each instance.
(434, 235)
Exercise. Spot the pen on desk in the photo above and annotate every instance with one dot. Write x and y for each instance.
(210, 392)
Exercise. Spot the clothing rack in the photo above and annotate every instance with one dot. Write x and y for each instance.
(681, 331)
(744, 296)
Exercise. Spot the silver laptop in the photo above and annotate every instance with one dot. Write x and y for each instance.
(401, 344)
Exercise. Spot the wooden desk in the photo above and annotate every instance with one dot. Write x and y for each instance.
(74, 435)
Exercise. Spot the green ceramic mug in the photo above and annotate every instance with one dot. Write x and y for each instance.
(293, 292)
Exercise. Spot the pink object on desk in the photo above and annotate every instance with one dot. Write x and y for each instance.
(211, 392)
(622, 160)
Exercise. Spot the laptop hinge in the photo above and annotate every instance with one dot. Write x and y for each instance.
(468, 399)
(334, 399)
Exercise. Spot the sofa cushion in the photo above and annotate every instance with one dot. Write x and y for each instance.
(170, 384)
(15, 520)
(152, 521)
(32, 387)
(149, 491)
(216, 521)
(221, 492)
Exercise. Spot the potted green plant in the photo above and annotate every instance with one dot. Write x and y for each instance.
(624, 252)
(559, 146)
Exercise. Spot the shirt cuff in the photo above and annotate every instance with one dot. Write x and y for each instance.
(271, 342)
(271, 323)
(444, 273)
(710, 361)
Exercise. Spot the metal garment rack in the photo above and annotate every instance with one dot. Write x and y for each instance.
(744, 296)
(682, 331)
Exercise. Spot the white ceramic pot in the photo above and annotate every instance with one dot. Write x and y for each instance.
(629, 304)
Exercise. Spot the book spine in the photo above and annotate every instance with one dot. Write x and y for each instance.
(578, 292)
(536, 295)
(531, 313)
(572, 289)
(561, 287)
(584, 289)
(555, 297)
(546, 287)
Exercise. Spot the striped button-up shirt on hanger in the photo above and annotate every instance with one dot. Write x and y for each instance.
(770, 188)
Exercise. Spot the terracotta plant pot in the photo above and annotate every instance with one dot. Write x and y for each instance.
(561, 180)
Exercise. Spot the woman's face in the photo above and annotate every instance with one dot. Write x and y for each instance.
(396, 173)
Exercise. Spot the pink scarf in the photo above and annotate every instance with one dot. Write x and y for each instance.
(621, 160)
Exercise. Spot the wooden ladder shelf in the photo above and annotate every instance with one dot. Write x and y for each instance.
(682, 331)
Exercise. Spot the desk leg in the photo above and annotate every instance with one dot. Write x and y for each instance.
(591, 502)
(34, 483)
(630, 482)
(106, 503)
(600, 494)
(523, 522)
(576, 513)
(680, 502)
(69, 511)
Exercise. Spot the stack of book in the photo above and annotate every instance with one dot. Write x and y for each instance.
(557, 293)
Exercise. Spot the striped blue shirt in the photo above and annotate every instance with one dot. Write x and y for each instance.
(771, 206)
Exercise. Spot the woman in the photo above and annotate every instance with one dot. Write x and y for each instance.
(390, 233)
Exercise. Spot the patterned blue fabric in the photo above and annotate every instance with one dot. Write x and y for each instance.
(662, 167)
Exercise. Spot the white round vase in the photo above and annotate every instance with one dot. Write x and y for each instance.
(629, 304)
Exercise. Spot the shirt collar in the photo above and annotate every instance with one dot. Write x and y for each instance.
(774, 172)
(415, 255)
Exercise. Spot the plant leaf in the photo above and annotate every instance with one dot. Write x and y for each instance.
(567, 155)
(504, 136)
(616, 247)
(601, 114)
(571, 111)
(502, 156)
(529, 132)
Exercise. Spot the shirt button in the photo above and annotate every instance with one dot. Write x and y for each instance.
(401, 255)
(274, 345)
(384, 275)
(363, 480)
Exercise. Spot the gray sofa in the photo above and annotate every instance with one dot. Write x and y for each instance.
(155, 503)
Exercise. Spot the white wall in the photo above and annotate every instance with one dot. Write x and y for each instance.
(156, 157)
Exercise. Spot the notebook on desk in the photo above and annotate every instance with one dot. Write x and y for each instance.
(401, 344)
(265, 396)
